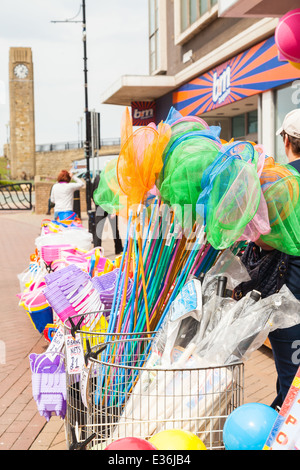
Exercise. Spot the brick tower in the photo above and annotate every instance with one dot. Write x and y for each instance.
(22, 126)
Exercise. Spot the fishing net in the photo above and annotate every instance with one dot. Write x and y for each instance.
(181, 184)
(281, 187)
(188, 130)
(228, 153)
(181, 125)
(233, 203)
(140, 161)
(175, 117)
(260, 224)
(273, 171)
(108, 195)
(126, 126)
(231, 194)
(244, 150)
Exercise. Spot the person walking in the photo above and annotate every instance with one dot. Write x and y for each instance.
(100, 217)
(62, 194)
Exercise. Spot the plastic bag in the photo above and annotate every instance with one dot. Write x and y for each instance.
(244, 330)
(229, 265)
(80, 238)
(181, 323)
(28, 275)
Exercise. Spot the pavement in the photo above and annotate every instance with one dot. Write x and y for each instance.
(21, 426)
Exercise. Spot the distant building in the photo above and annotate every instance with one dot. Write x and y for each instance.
(22, 125)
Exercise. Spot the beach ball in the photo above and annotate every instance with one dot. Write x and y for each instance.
(287, 35)
(248, 427)
(130, 443)
(176, 439)
(295, 64)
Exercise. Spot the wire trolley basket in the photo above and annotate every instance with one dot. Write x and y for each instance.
(92, 332)
(127, 395)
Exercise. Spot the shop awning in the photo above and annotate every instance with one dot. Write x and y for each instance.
(138, 88)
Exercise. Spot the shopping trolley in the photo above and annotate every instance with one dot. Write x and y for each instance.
(92, 329)
(128, 395)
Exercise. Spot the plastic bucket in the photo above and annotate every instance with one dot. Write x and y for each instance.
(66, 217)
(39, 310)
(41, 318)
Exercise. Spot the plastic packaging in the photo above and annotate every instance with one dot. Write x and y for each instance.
(181, 323)
(77, 237)
(246, 327)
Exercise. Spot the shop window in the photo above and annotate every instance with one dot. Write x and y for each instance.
(157, 36)
(203, 7)
(191, 11)
(286, 99)
(184, 14)
(244, 125)
(154, 35)
(238, 126)
(252, 122)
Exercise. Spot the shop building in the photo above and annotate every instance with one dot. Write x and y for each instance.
(218, 60)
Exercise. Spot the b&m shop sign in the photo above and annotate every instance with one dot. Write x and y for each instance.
(143, 112)
(253, 71)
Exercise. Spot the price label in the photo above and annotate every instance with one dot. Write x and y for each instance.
(74, 353)
(56, 344)
(84, 383)
(169, 238)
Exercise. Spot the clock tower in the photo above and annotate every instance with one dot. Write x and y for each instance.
(22, 126)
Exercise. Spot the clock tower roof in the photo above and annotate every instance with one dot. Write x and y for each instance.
(20, 54)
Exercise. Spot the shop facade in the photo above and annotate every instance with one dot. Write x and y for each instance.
(247, 96)
(224, 69)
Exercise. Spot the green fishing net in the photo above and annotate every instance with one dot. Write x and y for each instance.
(232, 202)
(181, 181)
(107, 195)
(182, 127)
(282, 197)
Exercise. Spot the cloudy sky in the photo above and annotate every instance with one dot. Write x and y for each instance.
(117, 44)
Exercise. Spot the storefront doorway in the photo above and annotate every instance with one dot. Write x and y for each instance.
(245, 126)
(238, 120)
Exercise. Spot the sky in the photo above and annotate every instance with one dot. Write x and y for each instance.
(117, 44)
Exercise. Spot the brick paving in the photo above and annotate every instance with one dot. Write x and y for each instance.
(21, 426)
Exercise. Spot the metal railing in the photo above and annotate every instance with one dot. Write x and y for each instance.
(16, 196)
(108, 142)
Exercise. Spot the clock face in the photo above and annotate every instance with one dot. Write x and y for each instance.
(21, 71)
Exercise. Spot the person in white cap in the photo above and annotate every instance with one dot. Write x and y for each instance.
(284, 341)
(290, 132)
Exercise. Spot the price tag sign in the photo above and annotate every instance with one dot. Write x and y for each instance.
(56, 344)
(74, 353)
(84, 383)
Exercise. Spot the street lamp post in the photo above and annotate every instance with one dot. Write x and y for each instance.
(87, 143)
(87, 146)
